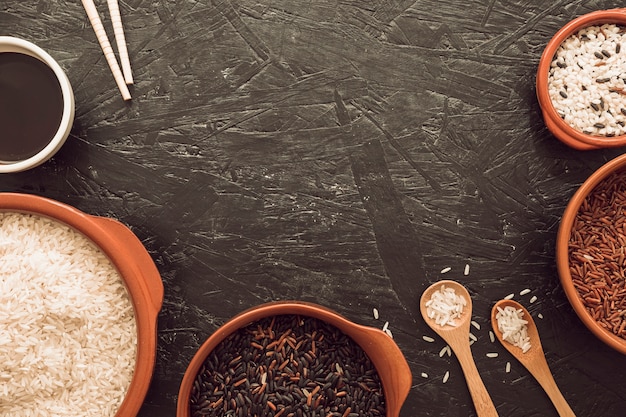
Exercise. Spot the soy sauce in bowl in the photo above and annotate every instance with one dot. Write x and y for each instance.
(31, 106)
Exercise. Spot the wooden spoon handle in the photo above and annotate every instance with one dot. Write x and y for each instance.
(541, 371)
(482, 401)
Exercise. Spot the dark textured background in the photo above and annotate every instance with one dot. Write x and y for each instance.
(339, 152)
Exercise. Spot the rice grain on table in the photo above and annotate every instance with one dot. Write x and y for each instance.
(597, 254)
(587, 80)
(67, 326)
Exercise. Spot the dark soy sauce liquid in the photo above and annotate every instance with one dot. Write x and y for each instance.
(31, 106)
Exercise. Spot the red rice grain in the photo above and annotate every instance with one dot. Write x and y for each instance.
(597, 253)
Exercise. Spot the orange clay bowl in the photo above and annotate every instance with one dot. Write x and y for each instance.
(559, 128)
(134, 264)
(562, 255)
(390, 364)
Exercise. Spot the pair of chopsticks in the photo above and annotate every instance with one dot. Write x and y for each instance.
(122, 80)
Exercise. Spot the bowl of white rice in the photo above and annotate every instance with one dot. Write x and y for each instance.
(79, 300)
(581, 81)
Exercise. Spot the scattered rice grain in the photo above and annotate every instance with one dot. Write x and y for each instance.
(443, 351)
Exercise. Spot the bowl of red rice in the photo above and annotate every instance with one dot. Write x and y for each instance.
(294, 358)
(79, 299)
(581, 80)
(591, 253)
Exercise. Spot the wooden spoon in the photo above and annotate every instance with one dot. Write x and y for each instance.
(534, 359)
(457, 338)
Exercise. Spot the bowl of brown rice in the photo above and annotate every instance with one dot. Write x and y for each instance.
(79, 300)
(591, 253)
(581, 81)
(293, 358)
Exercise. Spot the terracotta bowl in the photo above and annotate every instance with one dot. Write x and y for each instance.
(137, 269)
(562, 254)
(387, 358)
(559, 128)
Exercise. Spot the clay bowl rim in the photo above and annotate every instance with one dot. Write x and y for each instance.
(562, 255)
(561, 129)
(396, 384)
(131, 259)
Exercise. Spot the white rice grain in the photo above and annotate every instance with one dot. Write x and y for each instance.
(586, 80)
(443, 351)
(67, 323)
(445, 306)
(513, 327)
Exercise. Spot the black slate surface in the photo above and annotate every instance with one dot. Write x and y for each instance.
(339, 152)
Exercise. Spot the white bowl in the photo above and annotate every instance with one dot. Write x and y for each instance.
(12, 44)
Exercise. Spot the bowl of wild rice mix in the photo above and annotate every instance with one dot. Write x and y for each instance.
(591, 253)
(293, 358)
(79, 299)
(581, 81)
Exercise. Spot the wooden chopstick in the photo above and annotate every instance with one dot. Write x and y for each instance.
(96, 23)
(120, 39)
